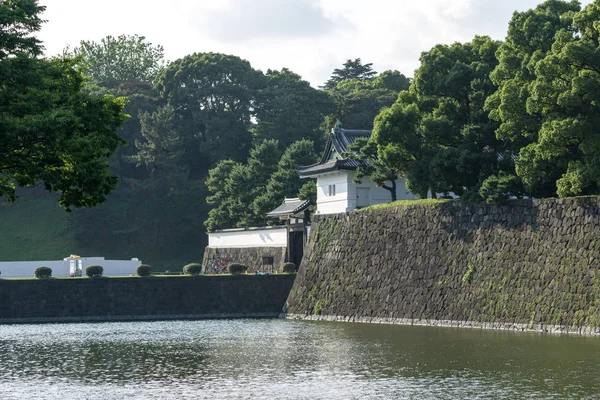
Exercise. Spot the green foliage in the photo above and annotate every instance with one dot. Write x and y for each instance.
(499, 188)
(539, 102)
(289, 268)
(236, 268)
(144, 270)
(285, 181)
(379, 168)
(437, 134)
(318, 307)
(19, 20)
(288, 109)
(308, 191)
(212, 95)
(51, 132)
(192, 269)
(94, 271)
(43, 272)
(468, 276)
(353, 69)
(233, 187)
(125, 58)
(404, 203)
(359, 101)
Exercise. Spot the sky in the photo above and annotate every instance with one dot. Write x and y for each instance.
(310, 37)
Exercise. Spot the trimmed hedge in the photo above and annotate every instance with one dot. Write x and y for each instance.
(94, 271)
(192, 269)
(144, 270)
(236, 268)
(43, 272)
(289, 267)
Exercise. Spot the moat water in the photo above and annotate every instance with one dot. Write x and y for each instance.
(279, 359)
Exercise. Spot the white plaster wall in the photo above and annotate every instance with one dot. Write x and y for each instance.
(254, 237)
(377, 195)
(333, 204)
(25, 269)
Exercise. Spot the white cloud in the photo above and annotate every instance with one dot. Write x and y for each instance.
(243, 20)
(311, 37)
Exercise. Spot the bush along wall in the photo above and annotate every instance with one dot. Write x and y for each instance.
(525, 265)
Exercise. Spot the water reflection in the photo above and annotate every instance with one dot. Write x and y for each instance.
(290, 360)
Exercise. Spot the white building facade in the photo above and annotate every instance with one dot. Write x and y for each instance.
(275, 236)
(336, 190)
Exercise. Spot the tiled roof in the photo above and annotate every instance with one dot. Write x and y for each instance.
(338, 142)
(289, 207)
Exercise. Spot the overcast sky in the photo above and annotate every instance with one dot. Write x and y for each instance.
(310, 37)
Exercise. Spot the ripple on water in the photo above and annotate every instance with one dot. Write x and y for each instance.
(289, 360)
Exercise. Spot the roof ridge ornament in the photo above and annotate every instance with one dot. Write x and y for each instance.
(338, 124)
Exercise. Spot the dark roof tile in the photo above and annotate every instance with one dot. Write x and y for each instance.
(339, 141)
(289, 207)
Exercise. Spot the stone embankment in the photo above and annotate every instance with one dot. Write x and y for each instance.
(149, 298)
(526, 265)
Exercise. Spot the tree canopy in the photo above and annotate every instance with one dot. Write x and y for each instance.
(285, 181)
(548, 79)
(233, 186)
(359, 101)
(437, 134)
(125, 58)
(353, 69)
(530, 38)
(212, 95)
(288, 109)
(50, 131)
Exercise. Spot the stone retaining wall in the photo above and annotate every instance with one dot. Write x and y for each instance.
(109, 299)
(217, 259)
(524, 265)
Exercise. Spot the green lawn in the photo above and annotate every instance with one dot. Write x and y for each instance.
(400, 203)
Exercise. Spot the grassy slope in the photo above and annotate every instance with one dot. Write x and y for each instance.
(35, 228)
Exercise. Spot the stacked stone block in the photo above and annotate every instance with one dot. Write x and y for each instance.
(528, 264)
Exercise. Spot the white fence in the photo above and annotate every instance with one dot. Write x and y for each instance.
(275, 236)
(25, 269)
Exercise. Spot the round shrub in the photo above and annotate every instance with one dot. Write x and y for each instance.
(144, 270)
(43, 272)
(192, 269)
(235, 268)
(94, 271)
(289, 267)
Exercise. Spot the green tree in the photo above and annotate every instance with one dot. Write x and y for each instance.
(212, 95)
(359, 101)
(161, 201)
(288, 109)
(220, 191)
(374, 166)
(530, 39)
(125, 58)
(437, 134)
(285, 181)
(234, 186)
(566, 95)
(353, 69)
(50, 131)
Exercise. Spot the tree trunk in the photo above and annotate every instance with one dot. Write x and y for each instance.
(391, 189)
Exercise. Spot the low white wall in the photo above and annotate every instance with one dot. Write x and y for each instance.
(25, 269)
(251, 237)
